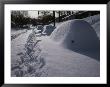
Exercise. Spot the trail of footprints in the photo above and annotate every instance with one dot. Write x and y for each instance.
(31, 61)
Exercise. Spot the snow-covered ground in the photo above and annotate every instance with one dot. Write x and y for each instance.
(33, 55)
(16, 33)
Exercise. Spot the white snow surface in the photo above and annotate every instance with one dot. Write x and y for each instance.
(17, 45)
(52, 56)
(63, 62)
(94, 21)
(15, 33)
(76, 34)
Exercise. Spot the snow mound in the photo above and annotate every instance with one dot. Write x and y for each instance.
(93, 19)
(48, 29)
(96, 27)
(76, 34)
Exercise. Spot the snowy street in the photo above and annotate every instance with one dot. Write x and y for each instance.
(68, 52)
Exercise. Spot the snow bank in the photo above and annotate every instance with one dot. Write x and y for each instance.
(76, 34)
(94, 21)
(16, 33)
(61, 62)
(96, 27)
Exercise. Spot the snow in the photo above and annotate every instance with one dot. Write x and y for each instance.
(36, 55)
(76, 34)
(48, 29)
(25, 61)
(62, 62)
(94, 21)
(96, 27)
(36, 30)
(40, 27)
(16, 33)
(18, 44)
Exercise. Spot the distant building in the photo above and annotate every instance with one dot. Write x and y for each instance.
(24, 13)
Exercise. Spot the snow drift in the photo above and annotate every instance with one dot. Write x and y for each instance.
(62, 62)
(76, 34)
(94, 21)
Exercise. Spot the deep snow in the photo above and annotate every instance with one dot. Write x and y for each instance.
(79, 36)
(16, 33)
(64, 62)
(34, 55)
(94, 21)
(76, 34)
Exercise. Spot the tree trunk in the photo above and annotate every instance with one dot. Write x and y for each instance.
(54, 17)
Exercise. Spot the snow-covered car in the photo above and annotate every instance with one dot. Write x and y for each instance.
(37, 32)
(48, 29)
(40, 28)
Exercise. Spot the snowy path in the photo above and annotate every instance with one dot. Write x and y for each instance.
(17, 45)
(25, 60)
